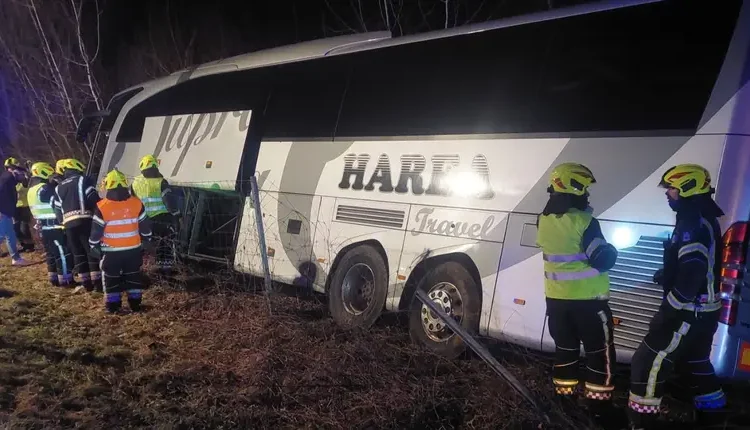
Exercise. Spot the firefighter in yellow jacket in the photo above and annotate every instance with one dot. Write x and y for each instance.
(22, 218)
(119, 223)
(576, 260)
(161, 207)
(39, 196)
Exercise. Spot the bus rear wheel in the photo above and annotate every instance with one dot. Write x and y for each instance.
(359, 288)
(453, 289)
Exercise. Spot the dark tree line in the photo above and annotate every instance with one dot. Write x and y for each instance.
(61, 57)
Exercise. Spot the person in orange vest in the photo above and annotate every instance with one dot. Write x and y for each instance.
(119, 224)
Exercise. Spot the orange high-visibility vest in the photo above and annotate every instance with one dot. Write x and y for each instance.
(120, 223)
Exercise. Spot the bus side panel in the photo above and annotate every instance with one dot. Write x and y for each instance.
(518, 311)
(247, 255)
(355, 221)
(645, 201)
(434, 231)
(288, 222)
(731, 351)
(324, 256)
(726, 111)
(733, 181)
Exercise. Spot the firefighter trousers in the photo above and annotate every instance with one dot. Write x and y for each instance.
(59, 258)
(163, 233)
(587, 322)
(122, 274)
(22, 227)
(86, 264)
(675, 338)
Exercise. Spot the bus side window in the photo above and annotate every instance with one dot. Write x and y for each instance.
(306, 99)
(224, 92)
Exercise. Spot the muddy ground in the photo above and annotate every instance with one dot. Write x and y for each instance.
(207, 355)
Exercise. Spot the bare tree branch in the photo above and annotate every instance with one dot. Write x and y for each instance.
(341, 20)
(82, 50)
(446, 12)
(51, 59)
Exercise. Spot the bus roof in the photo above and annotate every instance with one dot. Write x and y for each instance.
(374, 40)
(548, 15)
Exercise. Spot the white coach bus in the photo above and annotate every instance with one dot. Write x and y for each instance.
(391, 164)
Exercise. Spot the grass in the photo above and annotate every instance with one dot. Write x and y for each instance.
(216, 358)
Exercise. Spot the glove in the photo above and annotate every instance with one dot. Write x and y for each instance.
(96, 252)
(659, 277)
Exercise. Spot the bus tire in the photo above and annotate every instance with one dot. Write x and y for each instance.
(359, 287)
(452, 286)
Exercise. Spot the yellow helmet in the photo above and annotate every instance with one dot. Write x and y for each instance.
(11, 162)
(73, 164)
(60, 166)
(41, 170)
(688, 179)
(571, 178)
(147, 162)
(115, 179)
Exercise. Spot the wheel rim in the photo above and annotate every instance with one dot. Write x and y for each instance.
(358, 288)
(448, 298)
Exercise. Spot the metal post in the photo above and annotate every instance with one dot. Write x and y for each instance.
(482, 352)
(197, 221)
(261, 233)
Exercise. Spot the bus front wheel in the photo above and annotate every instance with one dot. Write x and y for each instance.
(359, 288)
(452, 288)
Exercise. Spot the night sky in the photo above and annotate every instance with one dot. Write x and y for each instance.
(144, 39)
(248, 25)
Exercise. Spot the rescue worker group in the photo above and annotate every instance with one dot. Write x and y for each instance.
(577, 258)
(81, 230)
(102, 240)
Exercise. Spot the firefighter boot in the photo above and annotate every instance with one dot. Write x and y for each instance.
(86, 282)
(65, 280)
(54, 279)
(114, 303)
(96, 282)
(135, 304)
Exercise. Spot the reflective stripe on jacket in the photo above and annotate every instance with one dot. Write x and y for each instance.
(120, 219)
(40, 209)
(149, 191)
(567, 273)
(76, 198)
